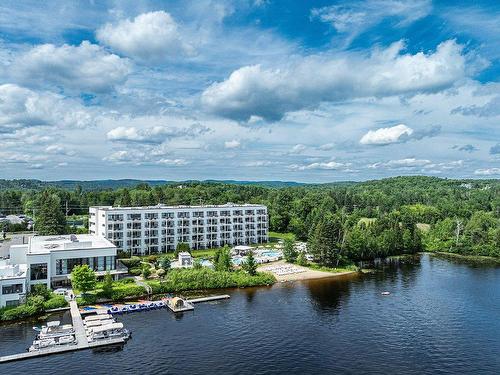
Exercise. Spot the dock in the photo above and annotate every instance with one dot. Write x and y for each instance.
(209, 298)
(81, 341)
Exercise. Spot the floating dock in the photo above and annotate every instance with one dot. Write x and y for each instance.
(81, 341)
(209, 298)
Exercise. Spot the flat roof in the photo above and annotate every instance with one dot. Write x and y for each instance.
(47, 244)
(163, 206)
(12, 271)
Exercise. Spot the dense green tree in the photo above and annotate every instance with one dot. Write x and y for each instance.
(325, 240)
(289, 252)
(222, 259)
(83, 278)
(49, 215)
(250, 265)
(301, 259)
(107, 287)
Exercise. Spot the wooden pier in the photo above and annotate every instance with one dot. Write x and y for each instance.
(209, 298)
(80, 336)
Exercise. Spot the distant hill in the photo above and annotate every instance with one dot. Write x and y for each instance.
(25, 184)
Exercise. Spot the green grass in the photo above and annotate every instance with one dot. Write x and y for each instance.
(348, 268)
(276, 236)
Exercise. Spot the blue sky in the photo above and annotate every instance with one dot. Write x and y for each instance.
(311, 91)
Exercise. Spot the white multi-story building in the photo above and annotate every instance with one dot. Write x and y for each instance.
(50, 259)
(13, 283)
(158, 229)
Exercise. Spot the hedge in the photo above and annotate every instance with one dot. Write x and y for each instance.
(195, 279)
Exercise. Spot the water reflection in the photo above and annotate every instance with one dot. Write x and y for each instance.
(330, 294)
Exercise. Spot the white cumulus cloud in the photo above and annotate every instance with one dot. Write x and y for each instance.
(23, 108)
(149, 37)
(306, 82)
(155, 134)
(385, 136)
(331, 165)
(87, 67)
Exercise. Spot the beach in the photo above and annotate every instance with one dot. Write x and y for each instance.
(305, 274)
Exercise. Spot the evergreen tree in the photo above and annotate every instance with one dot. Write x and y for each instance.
(49, 216)
(222, 259)
(289, 252)
(250, 265)
(325, 244)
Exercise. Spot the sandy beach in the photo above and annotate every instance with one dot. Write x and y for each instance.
(308, 273)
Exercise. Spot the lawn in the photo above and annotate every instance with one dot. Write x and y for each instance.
(275, 236)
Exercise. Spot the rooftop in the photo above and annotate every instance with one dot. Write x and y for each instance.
(163, 206)
(9, 271)
(47, 244)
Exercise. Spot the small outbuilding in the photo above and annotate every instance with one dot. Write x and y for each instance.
(185, 259)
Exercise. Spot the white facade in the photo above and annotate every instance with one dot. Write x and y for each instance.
(13, 283)
(158, 229)
(50, 259)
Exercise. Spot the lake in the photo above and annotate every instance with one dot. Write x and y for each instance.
(441, 317)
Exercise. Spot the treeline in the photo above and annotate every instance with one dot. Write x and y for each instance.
(357, 221)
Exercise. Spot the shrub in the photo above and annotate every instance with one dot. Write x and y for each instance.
(127, 291)
(55, 302)
(19, 312)
(301, 259)
(87, 299)
(152, 259)
(205, 278)
(120, 254)
(107, 287)
(132, 262)
(135, 271)
(40, 290)
(146, 271)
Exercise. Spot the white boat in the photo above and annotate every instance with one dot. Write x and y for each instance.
(64, 340)
(42, 344)
(97, 317)
(52, 342)
(96, 323)
(113, 330)
(55, 329)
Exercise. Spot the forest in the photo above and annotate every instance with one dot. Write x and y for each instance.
(342, 222)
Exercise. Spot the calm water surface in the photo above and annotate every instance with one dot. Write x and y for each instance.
(441, 318)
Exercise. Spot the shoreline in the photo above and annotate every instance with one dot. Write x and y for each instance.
(465, 257)
(306, 274)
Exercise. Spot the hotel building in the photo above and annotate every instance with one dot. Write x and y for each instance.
(158, 229)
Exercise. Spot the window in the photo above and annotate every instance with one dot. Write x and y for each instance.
(12, 303)
(11, 289)
(38, 271)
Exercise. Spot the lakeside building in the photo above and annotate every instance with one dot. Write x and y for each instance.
(50, 259)
(13, 283)
(158, 229)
